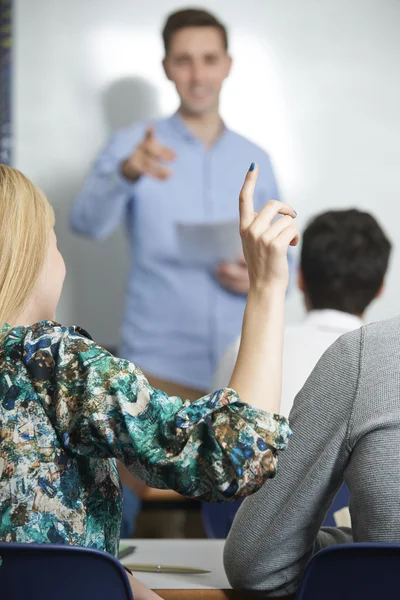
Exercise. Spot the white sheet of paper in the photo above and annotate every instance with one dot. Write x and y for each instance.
(206, 244)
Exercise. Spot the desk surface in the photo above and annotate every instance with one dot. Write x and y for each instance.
(205, 554)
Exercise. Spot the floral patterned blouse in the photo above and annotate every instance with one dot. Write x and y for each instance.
(68, 409)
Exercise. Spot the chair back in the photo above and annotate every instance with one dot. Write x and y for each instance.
(218, 518)
(38, 571)
(351, 572)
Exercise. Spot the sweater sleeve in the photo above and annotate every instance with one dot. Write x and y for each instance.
(276, 531)
(373, 472)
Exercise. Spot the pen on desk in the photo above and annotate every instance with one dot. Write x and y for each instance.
(166, 569)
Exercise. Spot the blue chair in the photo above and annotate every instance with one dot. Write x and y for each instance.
(218, 518)
(341, 500)
(352, 572)
(38, 571)
(131, 507)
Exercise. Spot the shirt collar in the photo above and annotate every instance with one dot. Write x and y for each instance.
(333, 319)
(180, 127)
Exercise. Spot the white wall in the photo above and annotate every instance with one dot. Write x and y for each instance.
(315, 82)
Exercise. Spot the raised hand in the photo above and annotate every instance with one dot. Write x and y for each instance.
(147, 159)
(257, 376)
(265, 243)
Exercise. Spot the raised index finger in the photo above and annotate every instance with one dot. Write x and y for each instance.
(149, 133)
(246, 203)
(153, 148)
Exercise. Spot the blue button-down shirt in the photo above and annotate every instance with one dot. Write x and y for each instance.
(178, 319)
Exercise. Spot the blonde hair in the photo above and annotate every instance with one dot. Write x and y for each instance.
(26, 219)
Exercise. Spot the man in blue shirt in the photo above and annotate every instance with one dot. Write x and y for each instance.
(179, 317)
(151, 177)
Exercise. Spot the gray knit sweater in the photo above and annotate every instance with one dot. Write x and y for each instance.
(346, 426)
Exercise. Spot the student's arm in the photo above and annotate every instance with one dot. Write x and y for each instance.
(276, 531)
(257, 373)
(101, 204)
(140, 591)
(257, 376)
(216, 448)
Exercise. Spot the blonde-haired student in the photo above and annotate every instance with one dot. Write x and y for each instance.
(68, 408)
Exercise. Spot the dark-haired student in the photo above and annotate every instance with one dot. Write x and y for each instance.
(347, 415)
(344, 258)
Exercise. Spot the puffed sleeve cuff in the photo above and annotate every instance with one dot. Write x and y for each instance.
(248, 439)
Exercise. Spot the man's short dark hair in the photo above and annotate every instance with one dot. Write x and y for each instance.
(344, 258)
(191, 17)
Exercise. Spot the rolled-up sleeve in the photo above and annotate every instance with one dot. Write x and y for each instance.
(216, 449)
(101, 205)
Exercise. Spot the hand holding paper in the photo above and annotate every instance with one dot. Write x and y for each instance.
(234, 276)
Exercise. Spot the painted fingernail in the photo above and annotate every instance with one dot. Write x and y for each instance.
(295, 212)
(252, 166)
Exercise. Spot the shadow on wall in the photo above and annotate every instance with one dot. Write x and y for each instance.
(98, 270)
(129, 100)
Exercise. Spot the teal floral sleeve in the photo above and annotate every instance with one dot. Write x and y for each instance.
(68, 409)
(216, 449)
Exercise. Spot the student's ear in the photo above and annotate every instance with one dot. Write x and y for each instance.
(301, 284)
(380, 291)
(300, 281)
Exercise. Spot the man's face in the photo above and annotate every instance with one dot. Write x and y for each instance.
(197, 63)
